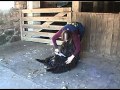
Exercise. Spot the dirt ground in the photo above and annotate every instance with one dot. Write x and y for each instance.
(92, 72)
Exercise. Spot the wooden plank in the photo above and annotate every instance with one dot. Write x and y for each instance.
(21, 29)
(36, 4)
(103, 31)
(37, 40)
(76, 6)
(88, 30)
(108, 34)
(33, 33)
(98, 33)
(80, 18)
(105, 25)
(74, 16)
(93, 30)
(118, 44)
(47, 10)
(29, 6)
(61, 14)
(41, 40)
(52, 27)
(50, 22)
(59, 19)
(47, 23)
(84, 18)
(115, 35)
(69, 17)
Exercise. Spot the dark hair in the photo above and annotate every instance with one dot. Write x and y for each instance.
(68, 33)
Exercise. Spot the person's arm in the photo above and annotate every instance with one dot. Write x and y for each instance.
(55, 37)
(76, 40)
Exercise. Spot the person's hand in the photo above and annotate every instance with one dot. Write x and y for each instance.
(57, 51)
(69, 59)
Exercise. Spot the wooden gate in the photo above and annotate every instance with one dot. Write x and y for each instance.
(48, 25)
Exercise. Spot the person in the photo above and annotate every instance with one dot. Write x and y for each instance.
(68, 54)
(67, 33)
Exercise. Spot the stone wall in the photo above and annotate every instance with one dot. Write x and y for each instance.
(9, 26)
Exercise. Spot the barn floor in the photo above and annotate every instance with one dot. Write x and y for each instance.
(18, 69)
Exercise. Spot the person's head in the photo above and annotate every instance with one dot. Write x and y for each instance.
(66, 35)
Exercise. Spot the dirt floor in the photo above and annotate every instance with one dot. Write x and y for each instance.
(20, 70)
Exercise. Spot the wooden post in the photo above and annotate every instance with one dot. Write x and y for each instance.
(30, 6)
(36, 5)
(76, 7)
(33, 5)
(21, 29)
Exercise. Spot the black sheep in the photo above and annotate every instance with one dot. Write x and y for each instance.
(56, 63)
